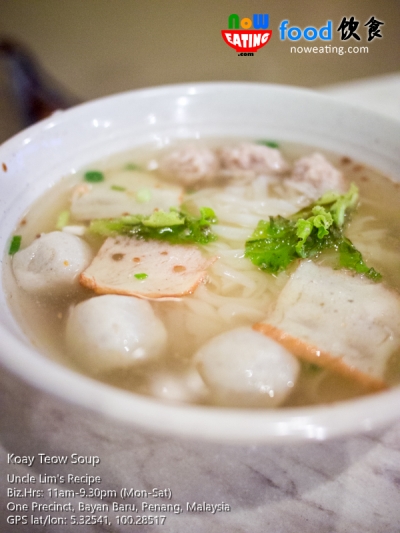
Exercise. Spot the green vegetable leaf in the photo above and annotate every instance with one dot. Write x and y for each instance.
(173, 226)
(207, 216)
(344, 204)
(304, 229)
(106, 227)
(272, 247)
(351, 258)
(321, 220)
(15, 244)
(274, 244)
(93, 176)
(339, 205)
(160, 219)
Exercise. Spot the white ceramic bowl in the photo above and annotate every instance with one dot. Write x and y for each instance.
(40, 155)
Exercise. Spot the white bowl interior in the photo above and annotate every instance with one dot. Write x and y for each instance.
(39, 156)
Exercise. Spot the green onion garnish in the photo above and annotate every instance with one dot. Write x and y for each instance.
(94, 176)
(15, 244)
(131, 166)
(63, 219)
(271, 144)
(117, 188)
(142, 275)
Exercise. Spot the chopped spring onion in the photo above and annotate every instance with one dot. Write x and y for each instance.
(15, 244)
(131, 166)
(62, 220)
(270, 144)
(142, 275)
(94, 176)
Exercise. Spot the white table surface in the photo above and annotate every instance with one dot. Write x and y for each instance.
(341, 486)
(380, 94)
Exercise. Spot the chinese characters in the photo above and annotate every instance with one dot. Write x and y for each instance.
(349, 27)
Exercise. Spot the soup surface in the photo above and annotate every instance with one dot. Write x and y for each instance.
(227, 292)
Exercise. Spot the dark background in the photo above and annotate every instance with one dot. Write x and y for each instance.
(98, 47)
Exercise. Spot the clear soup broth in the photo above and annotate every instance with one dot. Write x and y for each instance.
(234, 293)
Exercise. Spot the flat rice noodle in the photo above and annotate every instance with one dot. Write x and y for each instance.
(137, 194)
(172, 270)
(337, 320)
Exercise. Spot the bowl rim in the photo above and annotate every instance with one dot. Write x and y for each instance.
(235, 426)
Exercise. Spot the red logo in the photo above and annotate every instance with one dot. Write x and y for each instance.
(246, 39)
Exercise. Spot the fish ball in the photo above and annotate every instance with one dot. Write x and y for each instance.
(112, 331)
(185, 388)
(51, 263)
(245, 368)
